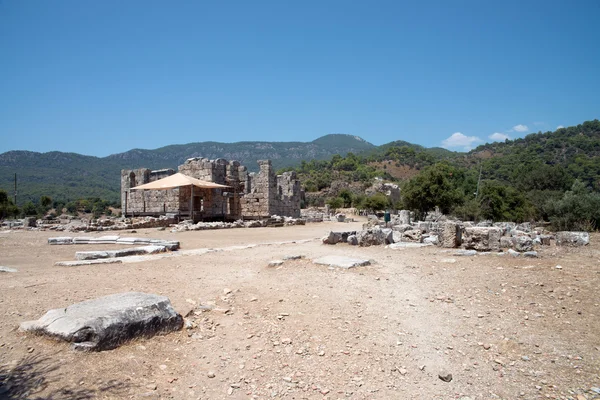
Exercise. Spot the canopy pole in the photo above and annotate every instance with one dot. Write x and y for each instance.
(192, 203)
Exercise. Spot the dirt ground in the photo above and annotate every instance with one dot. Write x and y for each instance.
(504, 327)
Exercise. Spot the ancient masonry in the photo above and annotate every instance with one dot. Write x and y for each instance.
(249, 196)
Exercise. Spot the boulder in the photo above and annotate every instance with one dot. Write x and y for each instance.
(450, 235)
(371, 237)
(352, 240)
(389, 235)
(107, 322)
(433, 239)
(332, 238)
(523, 243)
(340, 217)
(506, 242)
(572, 238)
(482, 238)
(414, 235)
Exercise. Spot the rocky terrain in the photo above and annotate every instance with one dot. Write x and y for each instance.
(416, 323)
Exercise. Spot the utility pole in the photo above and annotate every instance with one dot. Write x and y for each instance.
(478, 182)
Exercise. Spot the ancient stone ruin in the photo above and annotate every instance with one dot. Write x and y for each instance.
(249, 195)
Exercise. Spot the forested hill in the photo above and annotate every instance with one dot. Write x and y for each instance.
(69, 176)
(542, 160)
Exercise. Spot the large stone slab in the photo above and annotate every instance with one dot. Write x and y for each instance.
(107, 322)
(7, 269)
(134, 251)
(88, 262)
(113, 239)
(341, 261)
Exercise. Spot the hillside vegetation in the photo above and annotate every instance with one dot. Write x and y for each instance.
(543, 176)
(69, 176)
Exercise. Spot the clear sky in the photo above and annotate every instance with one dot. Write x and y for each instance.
(103, 77)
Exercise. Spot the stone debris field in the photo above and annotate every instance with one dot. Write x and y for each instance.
(328, 310)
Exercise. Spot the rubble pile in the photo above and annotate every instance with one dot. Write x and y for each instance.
(485, 236)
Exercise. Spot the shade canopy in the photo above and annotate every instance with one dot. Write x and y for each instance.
(178, 180)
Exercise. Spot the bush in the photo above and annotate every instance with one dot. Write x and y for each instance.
(578, 209)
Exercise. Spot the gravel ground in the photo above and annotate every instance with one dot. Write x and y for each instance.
(499, 327)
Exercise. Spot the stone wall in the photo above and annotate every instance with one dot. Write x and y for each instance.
(147, 201)
(268, 194)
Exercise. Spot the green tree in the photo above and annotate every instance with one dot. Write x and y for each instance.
(435, 186)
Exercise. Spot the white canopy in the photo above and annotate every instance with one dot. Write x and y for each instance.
(177, 180)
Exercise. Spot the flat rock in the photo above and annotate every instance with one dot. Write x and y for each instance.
(107, 322)
(402, 245)
(134, 251)
(88, 262)
(275, 263)
(7, 269)
(467, 253)
(341, 261)
(293, 257)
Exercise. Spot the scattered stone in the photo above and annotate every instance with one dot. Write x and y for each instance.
(353, 240)
(558, 267)
(7, 269)
(530, 254)
(467, 253)
(293, 257)
(445, 376)
(513, 253)
(275, 263)
(107, 322)
(341, 261)
(211, 374)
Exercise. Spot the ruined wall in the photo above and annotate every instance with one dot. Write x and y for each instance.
(268, 194)
(251, 195)
(150, 201)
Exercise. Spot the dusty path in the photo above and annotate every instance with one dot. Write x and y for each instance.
(503, 327)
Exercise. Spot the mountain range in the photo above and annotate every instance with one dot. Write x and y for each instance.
(69, 176)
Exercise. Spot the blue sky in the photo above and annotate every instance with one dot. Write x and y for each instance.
(103, 77)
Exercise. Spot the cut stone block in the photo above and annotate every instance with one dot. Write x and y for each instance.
(482, 238)
(341, 261)
(404, 245)
(107, 322)
(450, 235)
(7, 269)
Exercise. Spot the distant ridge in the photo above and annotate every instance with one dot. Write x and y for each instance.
(69, 176)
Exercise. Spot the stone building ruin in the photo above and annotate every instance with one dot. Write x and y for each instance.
(249, 195)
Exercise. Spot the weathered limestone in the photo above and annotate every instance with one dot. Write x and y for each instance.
(341, 261)
(337, 237)
(404, 217)
(450, 235)
(572, 238)
(371, 237)
(482, 238)
(64, 240)
(107, 322)
(7, 269)
(134, 251)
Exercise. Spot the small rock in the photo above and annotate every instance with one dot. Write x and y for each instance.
(321, 353)
(445, 376)
(403, 371)
(275, 263)
(558, 267)
(151, 386)
(487, 346)
(227, 291)
(525, 358)
(211, 374)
